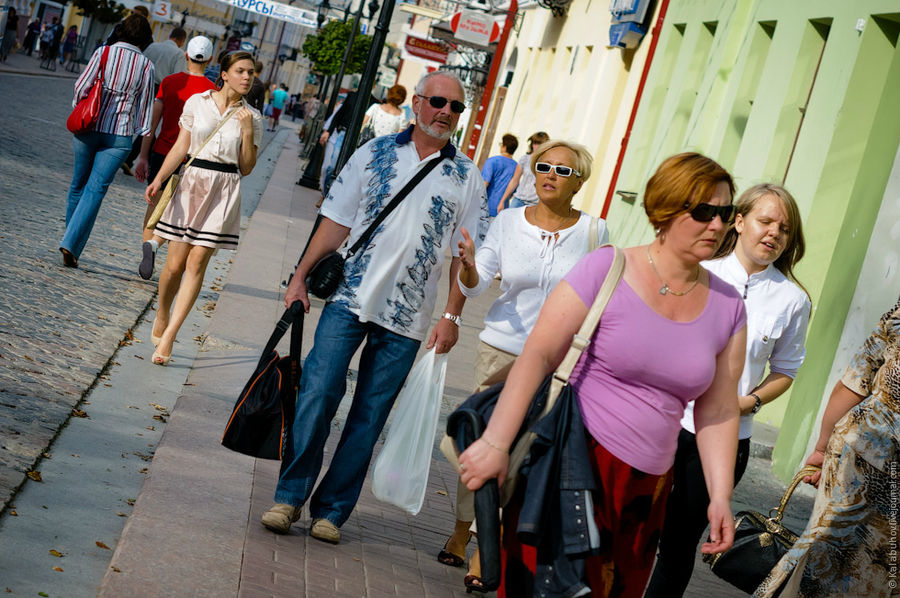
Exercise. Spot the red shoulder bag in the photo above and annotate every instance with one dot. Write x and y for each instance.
(86, 112)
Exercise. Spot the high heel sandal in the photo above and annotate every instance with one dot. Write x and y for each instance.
(160, 359)
(473, 581)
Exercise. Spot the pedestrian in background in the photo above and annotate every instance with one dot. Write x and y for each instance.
(279, 96)
(385, 300)
(168, 56)
(50, 39)
(849, 546)
(205, 212)
(520, 191)
(173, 93)
(385, 118)
(31, 36)
(332, 138)
(125, 111)
(671, 333)
(534, 248)
(69, 43)
(757, 257)
(10, 35)
(498, 172)
(257, 94)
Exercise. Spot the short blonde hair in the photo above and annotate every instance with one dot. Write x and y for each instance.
(583, 158)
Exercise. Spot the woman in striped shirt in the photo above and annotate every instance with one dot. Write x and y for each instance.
(125, 111)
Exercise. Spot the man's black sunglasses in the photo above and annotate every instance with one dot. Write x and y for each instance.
(440, 101)
(706, 212)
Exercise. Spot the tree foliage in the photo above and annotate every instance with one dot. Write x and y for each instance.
(326, 49)
(104, 11)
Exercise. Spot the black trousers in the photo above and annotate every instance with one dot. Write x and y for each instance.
(686, 518)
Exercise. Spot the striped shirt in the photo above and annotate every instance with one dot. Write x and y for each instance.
(126, 106)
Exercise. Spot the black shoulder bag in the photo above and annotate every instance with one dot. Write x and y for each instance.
(264, 411)
(326, 275)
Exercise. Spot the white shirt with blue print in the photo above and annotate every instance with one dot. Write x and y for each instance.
(392, 280)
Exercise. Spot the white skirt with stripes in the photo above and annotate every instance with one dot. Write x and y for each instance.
(205, 210)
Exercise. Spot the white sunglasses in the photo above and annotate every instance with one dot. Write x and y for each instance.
(559, 169)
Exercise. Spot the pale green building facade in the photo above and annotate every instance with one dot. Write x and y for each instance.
(800, 92)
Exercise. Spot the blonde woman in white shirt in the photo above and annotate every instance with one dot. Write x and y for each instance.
(533, 247)
(757, 257)
(205, 212)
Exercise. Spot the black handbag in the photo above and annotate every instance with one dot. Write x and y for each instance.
(264, 411)
(466, 424)
(323, 278)
(759, 543)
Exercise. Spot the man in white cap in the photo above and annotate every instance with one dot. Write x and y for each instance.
(173, 93)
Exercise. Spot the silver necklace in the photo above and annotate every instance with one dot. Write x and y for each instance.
(665, 289)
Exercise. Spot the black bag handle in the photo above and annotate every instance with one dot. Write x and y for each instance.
(394, 202)
(292, 318)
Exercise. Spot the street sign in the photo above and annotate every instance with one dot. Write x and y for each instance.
(162, 11)
(474, 27)
(425, 48)
(277, 10)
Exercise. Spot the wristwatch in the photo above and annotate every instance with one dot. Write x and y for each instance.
(758, 404)
(453, 318)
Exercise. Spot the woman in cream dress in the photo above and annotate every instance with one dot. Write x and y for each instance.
(205, 211)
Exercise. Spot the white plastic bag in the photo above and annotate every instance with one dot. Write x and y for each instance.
(401, 469)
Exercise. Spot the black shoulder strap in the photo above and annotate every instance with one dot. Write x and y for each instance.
(292, 318)
(394, 202)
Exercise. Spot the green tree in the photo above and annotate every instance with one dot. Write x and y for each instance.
(326, 49)
(104, 11)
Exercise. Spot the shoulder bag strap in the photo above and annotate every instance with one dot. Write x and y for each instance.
(583, 338)
(394, 202)
(211, 135)
(594, 234)
(103, 64)
(291, 316)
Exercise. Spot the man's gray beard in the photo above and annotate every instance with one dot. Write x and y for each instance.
(432, 133)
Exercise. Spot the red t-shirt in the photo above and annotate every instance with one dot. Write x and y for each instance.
(173, 93)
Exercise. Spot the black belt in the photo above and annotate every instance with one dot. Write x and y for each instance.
(208, 165)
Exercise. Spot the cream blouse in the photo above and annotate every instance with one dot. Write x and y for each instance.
(201, 116)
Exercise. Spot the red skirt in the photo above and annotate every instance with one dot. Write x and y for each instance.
(629, 508)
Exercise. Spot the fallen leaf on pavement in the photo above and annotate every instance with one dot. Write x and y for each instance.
(102, 545)
(442, 492)
(138, 356)
(79, 413)
(159, 418)
(46, 455)
(143, 470)
(13, 513)
(44, 594)
(121, 514)
(60, 569)
(130, 502)
(34, 475)
(151, 428)
(116, 569)
(56, 553)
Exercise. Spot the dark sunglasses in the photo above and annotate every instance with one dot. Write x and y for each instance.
(706, 212)
(564, 171)
(440, 101)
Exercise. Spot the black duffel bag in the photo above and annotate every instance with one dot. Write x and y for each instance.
(264, 411)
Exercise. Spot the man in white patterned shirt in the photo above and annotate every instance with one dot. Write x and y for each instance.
(386, 299)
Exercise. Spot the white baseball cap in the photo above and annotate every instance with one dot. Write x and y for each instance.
(200, 48)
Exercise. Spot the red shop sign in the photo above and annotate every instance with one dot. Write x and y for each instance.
(427, 49)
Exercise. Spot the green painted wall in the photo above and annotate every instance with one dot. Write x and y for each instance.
(790, 92)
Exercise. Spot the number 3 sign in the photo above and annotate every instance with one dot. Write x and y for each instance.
(162, 11)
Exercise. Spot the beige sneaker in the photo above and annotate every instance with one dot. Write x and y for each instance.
(326, 531)
(280, 517)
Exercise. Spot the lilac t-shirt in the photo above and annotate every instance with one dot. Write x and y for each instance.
(641, 369)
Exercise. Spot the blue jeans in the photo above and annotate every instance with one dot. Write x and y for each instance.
(97, 158)
(383, 366)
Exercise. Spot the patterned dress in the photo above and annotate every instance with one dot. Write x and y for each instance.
(850, 545)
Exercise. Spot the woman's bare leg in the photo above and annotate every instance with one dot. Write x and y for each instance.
(197, 258)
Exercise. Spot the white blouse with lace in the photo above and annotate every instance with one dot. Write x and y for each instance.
(531, 262)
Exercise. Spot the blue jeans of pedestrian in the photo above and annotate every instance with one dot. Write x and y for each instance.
(384, 364)
(98, 156)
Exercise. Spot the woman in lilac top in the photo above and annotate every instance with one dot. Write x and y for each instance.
(672, 333)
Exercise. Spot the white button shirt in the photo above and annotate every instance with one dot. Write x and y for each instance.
(777, 317)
